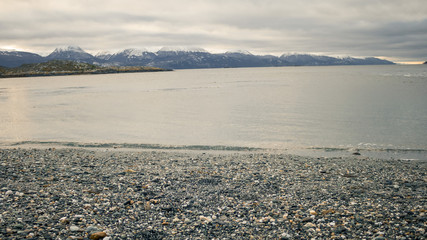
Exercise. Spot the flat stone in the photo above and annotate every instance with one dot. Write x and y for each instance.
(309, 225)
(92, 229)
(98, 235)
(74, 228)
(205, 219)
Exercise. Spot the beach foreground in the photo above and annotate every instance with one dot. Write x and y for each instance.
(74, 193)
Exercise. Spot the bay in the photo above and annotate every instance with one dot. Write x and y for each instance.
(379, 111)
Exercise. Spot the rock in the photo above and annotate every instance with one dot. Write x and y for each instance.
(92, 229)
(285, 236)
(309, 225)
(205, 219)
(379, 238)
(339, 230)
(147, 206)
(64, 220)
(349, 175)
(76, 237)
(328, 211)
(98, 235)
(74, 228)
(20, 194)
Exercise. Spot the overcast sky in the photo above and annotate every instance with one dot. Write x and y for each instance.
(392, 29)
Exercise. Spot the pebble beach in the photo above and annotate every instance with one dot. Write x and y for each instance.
(73, 193)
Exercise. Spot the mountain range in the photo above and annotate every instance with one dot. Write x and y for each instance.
(181, 58)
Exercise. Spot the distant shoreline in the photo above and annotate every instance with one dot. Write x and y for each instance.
(80, 73)
(64, 68)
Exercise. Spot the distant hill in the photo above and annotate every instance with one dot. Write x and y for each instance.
(17, 58)
(181, 58)
(66, 67)
(315, 60)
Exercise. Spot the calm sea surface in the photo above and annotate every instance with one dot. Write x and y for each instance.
(381, 110)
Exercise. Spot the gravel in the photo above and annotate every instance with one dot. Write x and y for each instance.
(108, 194)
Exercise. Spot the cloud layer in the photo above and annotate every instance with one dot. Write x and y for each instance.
(393, 29)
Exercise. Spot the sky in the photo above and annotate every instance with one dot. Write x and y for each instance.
(391, 29)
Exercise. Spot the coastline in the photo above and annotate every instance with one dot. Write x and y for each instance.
(69, 192)
(97, 71)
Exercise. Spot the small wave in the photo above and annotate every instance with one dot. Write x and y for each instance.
(138, 146)
(330, 149)
(181, 89)
(406, 74)
(338, 149)
(376, 153)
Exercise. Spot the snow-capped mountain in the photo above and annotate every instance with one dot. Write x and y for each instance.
(133, 52)
(180, 58)
(130, 57)
(70, 53)
(317, 60)
(104, 55)
(305, 59)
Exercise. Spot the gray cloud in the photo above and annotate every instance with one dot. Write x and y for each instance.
(389, 28)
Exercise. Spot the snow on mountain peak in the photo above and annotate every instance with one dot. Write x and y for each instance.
(133, 52)
(69, 53)
(103, 53)
(244, 52)
(70, 49)
(181, 49)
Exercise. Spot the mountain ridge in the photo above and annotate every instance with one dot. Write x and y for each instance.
(181, 58)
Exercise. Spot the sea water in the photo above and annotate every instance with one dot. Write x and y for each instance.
(373, 110)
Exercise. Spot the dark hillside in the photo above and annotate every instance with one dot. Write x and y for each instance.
(65, 67)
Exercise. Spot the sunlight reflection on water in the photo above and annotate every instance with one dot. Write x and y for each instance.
(284, 108)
